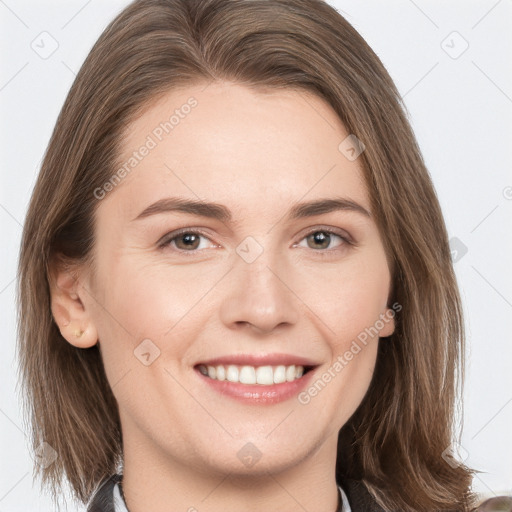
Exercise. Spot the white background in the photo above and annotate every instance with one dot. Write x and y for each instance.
(460, 106)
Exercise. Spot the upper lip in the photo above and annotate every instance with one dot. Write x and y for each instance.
(259, 360)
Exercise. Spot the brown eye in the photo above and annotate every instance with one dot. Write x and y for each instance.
(184, 241)
(187, 241)
(323, 239)
(319, 240)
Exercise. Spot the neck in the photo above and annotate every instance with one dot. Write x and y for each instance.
(158, 482)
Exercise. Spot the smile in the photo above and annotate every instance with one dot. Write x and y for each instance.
(257, 378)
(263, 375)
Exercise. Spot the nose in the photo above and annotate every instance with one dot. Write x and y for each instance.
(260, 296)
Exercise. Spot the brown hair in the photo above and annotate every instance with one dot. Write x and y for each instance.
(397, 439)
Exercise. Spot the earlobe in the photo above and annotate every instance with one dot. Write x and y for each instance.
(388, 321)
(83, 339)
(69, 312)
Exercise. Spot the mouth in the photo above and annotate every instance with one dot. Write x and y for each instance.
(258, 379)
(251, 375)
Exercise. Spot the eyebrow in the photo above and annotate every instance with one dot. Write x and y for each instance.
(222, 213)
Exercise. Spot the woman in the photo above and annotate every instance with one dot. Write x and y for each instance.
(235, 281)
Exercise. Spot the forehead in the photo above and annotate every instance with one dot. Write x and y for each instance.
(255, 150)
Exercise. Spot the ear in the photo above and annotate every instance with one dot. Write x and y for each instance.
(388, 319)
(68, 305)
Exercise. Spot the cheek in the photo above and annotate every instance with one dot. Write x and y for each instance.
(150, 299)
(155, 302)
(348, 297)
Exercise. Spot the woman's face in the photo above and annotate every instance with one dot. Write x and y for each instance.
(254, 288)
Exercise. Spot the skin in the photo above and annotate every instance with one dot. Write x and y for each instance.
(257, 153)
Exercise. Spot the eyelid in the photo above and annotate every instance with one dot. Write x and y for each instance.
(168, 237)
(343, 234)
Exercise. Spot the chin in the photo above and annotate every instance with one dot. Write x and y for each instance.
(257, 457)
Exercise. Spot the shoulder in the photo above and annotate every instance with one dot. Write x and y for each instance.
(503, 503)
(359, 498)
(103, 498)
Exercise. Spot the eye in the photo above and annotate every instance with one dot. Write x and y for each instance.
(189, 240)
(184, 240)
(322, 238)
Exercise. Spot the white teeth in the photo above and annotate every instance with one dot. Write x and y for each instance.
(263, 375)
(247, 375)
(221, 373)
(232, 374)
(290, 373)
(280, 374)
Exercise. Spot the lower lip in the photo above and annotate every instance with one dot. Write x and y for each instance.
(258, 393)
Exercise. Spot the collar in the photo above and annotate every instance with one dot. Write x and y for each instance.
(109, 498)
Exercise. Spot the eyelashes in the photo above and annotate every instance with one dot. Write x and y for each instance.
(168, 240)
(191, 238)
(330, 235)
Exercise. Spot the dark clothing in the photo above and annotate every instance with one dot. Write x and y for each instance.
(359, 498)
(103, 499)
